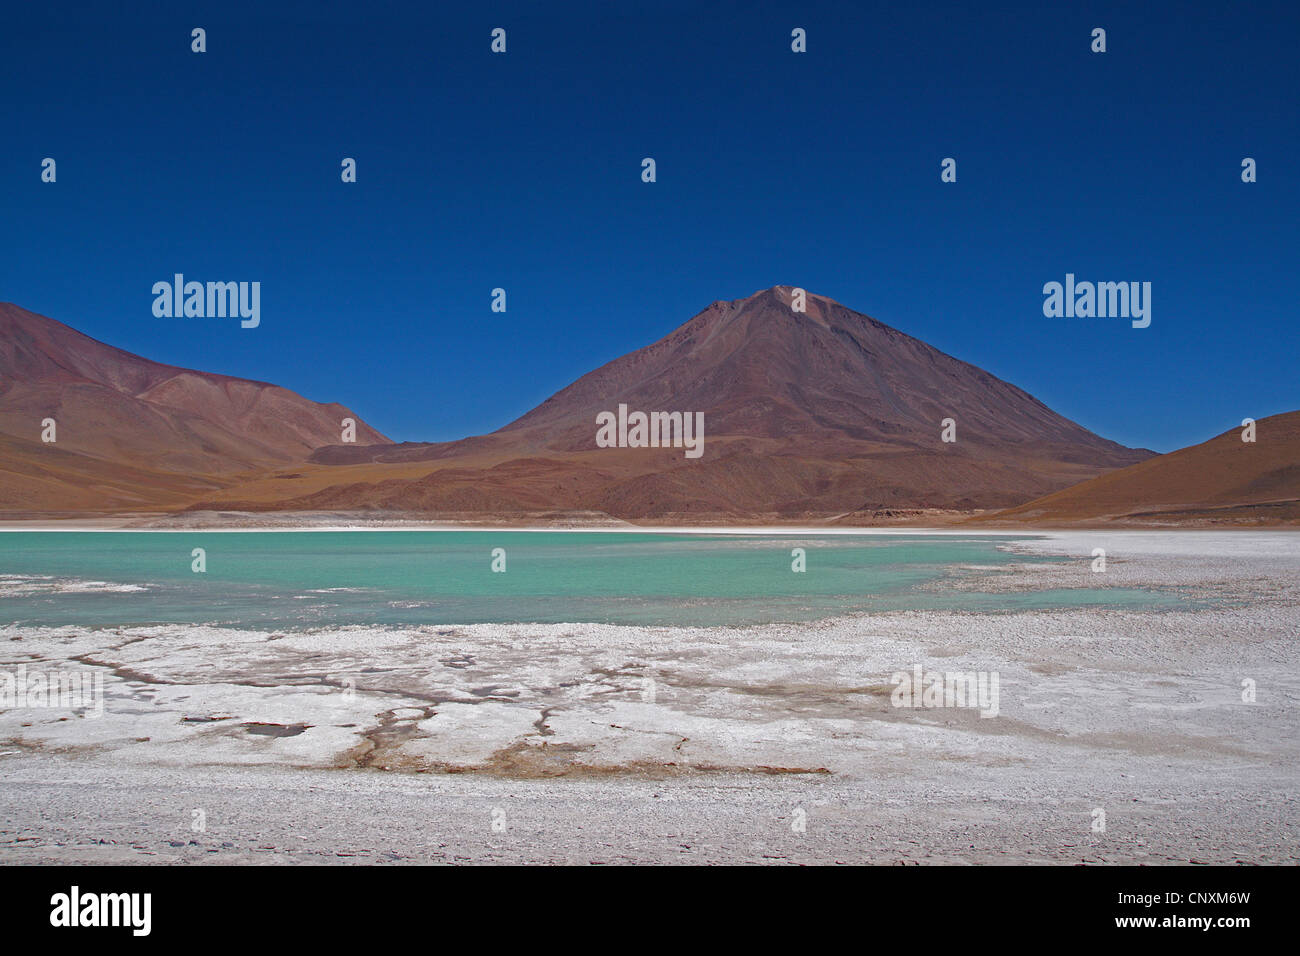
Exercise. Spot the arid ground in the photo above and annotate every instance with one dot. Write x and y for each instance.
(777, 743)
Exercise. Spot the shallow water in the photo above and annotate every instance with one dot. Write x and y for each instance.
(313, 579)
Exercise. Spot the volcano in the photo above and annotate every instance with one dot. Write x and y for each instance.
(821, 412)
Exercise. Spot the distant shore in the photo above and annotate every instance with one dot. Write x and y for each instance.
(406, 521)
(923, 521)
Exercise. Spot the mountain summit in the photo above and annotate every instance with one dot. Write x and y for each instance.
(828, 375)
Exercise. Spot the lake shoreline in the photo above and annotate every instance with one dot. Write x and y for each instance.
(635, 743)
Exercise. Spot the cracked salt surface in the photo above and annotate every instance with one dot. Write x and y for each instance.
(602, 727)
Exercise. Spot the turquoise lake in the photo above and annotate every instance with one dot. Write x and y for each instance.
(322, 579)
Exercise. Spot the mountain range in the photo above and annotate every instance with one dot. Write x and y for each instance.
(818, 414)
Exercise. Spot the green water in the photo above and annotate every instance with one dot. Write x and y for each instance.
(311, 579)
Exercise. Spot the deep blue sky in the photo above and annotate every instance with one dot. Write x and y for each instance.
(523, 171)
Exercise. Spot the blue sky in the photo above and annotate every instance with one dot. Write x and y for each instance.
(522, 171)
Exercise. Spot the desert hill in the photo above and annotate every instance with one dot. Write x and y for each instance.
(132, 432)
(1223, 481)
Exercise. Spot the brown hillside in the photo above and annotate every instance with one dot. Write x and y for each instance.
(1223, 481)
(132, 432)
